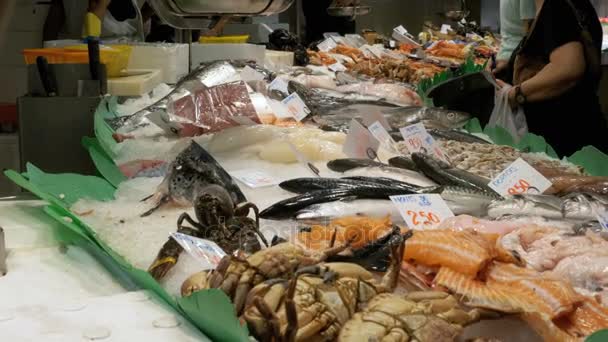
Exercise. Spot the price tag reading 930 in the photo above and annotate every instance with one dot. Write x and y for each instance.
(519, 178)
(417, 139)
(422, 211)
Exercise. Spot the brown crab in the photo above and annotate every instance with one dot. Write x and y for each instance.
(318, 301)
(420, 316)
(219, 220)
(236, 276)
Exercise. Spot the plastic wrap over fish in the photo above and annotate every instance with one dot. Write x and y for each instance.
(214, 109)
(209, 75)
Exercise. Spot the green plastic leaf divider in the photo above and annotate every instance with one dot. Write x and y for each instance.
(104, 163)
(214, 315)
(103, 131)
(593, 160)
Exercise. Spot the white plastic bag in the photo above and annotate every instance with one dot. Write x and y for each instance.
(503, 116)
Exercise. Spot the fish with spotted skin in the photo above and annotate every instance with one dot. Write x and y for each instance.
(192, 170)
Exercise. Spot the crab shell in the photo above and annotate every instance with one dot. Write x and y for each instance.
(322, 307)
(236, 277)
(420, 316)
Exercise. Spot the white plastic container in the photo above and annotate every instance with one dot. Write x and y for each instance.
(171, 59)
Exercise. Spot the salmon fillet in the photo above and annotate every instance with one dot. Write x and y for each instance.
(464, 251)
(524, 294)
(548, 330)
(585, 319)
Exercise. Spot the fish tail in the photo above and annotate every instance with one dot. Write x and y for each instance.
(163, 200)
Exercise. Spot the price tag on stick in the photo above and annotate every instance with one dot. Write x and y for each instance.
(207, 252)
(360, 143)
(422, 211)
(382, 135)
(296, 107)
(519, 178)
(417, 139)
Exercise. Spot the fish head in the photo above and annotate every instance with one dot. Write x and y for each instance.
(450, 118)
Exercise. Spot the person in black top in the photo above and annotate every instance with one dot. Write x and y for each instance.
(319, 22)
(557, 75)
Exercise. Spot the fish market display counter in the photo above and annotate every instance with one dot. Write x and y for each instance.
(56, 292)
(291, 204)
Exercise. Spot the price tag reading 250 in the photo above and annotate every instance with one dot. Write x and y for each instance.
(519, 178)
(422, 211)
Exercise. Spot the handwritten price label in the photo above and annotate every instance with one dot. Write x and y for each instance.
(422, 211)
(336, 67)
(296, 107)
(280, 85)
(208, 253)
(519, 178)
(327, 45)
(360, 143)
(417, 139)
(255, 178)
(382, 135)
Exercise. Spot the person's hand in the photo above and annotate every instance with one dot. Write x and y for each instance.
(500, 66)
(512, 98)
(502, 84)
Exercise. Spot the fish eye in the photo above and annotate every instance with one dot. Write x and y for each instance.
(450, 115)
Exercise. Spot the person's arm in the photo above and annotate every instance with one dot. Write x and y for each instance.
(565, 69)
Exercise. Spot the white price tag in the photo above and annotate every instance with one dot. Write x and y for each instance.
(339, 40)
(370, 117)
(445, 28)
(296, 107)
(255, 178)
(519, 178)
(280, 85)
(327, 45)
(360, 143)
(422, 211)
(401, 30)
(208, 253)
(250, 74)
(366, 51)
(417, 139)
(337, 67)
(279, 109)
(382, 135)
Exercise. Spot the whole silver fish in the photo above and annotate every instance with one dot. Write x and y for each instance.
(577, 207)
(468, 201)
(431, 117)
(363, 207)
(208, 75)
(407, 176)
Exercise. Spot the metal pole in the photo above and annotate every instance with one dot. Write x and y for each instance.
(3, 269)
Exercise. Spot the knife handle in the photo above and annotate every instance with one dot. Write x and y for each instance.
(45, 76)
(93, 45)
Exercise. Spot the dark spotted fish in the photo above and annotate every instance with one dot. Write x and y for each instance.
(191, 172)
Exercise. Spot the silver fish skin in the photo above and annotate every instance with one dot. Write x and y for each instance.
(582, 206)
(370, 208)
(441, 118)
(407, 176)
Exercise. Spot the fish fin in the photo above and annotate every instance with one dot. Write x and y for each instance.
(163, 200)
(146, 198)
(348, 199)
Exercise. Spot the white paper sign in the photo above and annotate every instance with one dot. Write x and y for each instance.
(422, 211)
(519, 178)
(382, 135)
(337, 67)
(401, 30)
(279, 109)
(208, 253)
(250, 74)
(445, 28)
(280, 85)
(417, 139)
(360, 143)
(255, 178)
(370, 117)
(296, 107)
(327, 45)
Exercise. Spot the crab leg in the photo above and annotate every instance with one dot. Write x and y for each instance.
(391, 277)
(169, 254)
(290, 310)
(274, 333)
(243, 210)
